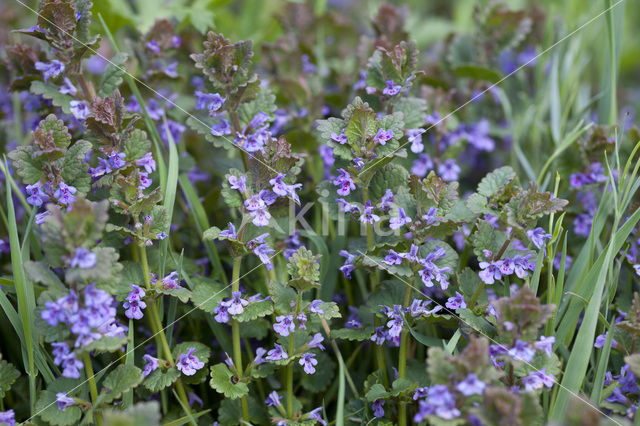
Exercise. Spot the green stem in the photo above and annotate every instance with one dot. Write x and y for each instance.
(93, 389)
(290, 366)
(235, 331)
(375, 279)
(156, 323)
(402, 357)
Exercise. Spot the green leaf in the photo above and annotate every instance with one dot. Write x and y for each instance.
(413, 110)
(8, 375)
(28, 167)
(74, 168)
(330, 126)
(330, 309)
(265, 102)
(356, 334)
(487, 238)
(495, 181)
(112, 76)
(51, 91)
(58, 130)
(207, 294)
(47, 408)
(183, 294)
(392, 176)
(160, 379)
(120, 380)
(362, 124)
(136, 145)
(222, 380)
(377, 391)
(105, 344)
(282, 296)
(255, 310)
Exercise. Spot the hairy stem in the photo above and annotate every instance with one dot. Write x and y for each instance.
(93, 389)
(402, 357)
(157, 328)
(235, 331)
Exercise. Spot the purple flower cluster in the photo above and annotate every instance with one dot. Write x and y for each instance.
(37, 193)
(134, 303)
(440, 401)
(88, 320)
(188, 363)
(430, 272)
(495, 270)
(595, 173)
(233, 306)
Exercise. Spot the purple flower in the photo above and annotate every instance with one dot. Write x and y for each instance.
(67, 88)
(392, 258)
(79, 109)
(385, 201)
(308, 362)
(422, 165)
(151, 365)
(259, 358)
(8, 417)
(230, 233)
(277, 353)
(537, 236)
(582, 224)
(284, 325)
(264, 252)
(236, 304)
(456, 302)
(399, 221)
(314, 307)
(391, 88)
(537, 379)
(340, 138)
(222, 313)
(36, 196)
(379, 336)
(383, 136)
(430, 218)
(522, 351)
(348, 266)
(471, 386)
(316, 342)
(415, 137)
(273, 400)
(238, 182)
(189, 363)
(601, 339)
(377, 405)
(344, 182)
(134, 304)
(545, 344)
(222, 128)
(83, 258)
(64, 401)
(64, 194)
(315, 415)
(51, 69)
(147, 162)
(478, 136)
(449, 171)
(490, 272)
(283, 189)
(367, 215)
(153, 46)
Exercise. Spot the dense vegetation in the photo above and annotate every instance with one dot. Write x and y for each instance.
(343, 212)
